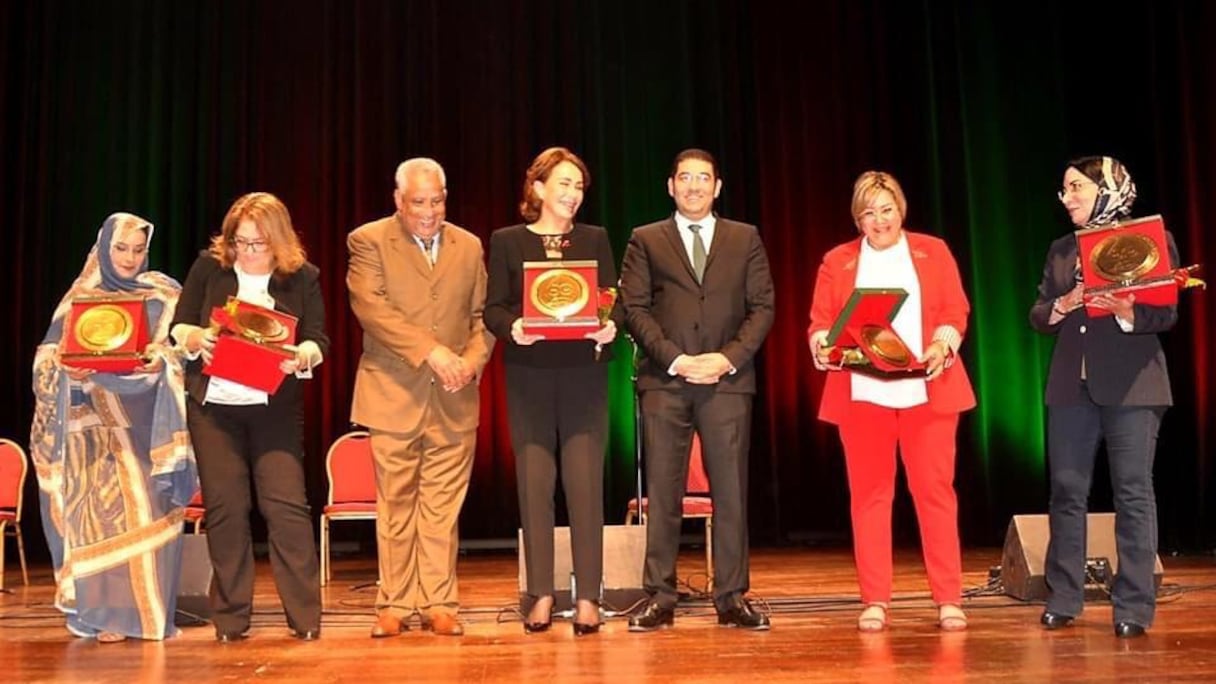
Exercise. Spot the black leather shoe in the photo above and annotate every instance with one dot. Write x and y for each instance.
(307, 634)
(231, 637)
(1051, 620)
(654, 617)
(743, 616)
(1128, 630)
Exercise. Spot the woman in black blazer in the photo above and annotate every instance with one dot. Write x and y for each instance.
(239, 431)
(1107, 382)
(557, 391)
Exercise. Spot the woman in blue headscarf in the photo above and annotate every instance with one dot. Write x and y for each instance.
(1107, 383)
(113, 457)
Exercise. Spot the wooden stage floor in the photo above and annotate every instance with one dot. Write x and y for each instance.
(810, 592)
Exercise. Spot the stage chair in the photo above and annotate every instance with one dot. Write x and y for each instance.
(195, 512)
(13, 468)
(352, 488)
(696, 504)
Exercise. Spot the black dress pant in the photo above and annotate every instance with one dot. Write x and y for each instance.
(1130, 433)
(723, 420)
(237, 446)
(548, 408)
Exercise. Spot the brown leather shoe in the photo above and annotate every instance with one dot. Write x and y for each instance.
(444, 624)
(388, 626)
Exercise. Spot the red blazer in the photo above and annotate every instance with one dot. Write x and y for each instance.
(943, 302)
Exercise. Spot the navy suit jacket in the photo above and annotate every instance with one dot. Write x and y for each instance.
(1121, 369)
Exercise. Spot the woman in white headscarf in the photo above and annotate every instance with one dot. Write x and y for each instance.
(1107, 383)
(113, 457)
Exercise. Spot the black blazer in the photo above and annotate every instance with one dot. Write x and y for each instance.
(209, 285)
(1121, 369)
(669, 313)
(510, 247)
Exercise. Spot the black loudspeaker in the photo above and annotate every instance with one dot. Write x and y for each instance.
(624, 557)
(1022, 560)
(194, 583)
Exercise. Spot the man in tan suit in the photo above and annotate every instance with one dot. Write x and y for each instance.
(418, 286)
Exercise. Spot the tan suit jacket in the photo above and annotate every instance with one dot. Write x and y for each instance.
(406, 308)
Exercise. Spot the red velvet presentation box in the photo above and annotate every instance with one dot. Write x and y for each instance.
(251, 343)
(1126, 257)
(864, 339)
(561, 299)
(106, 333)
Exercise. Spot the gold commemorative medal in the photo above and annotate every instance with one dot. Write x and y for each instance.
(259, 327)
(104, 328)
(1124, 257)
(886, 345)
(560, 293)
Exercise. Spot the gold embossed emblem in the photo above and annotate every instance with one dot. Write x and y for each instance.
(104, 328)
(259, 327)
(1124, 257)
(886, 345)
(560, 293)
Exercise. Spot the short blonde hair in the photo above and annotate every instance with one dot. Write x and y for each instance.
(870, 184)
(272, 218)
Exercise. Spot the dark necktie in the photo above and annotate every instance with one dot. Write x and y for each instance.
(698, 252)
(427, 244)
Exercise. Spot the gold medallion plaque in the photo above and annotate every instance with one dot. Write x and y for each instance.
(260, 327)
(1124, 257)
(886, 345)
(560, 293)
(104, 328)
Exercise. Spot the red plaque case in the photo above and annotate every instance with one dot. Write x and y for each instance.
(864, 340)
(1125, 257)
(106, 333)
(561, 299)
(252, 341)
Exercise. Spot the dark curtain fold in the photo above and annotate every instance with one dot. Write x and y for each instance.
(172, 110)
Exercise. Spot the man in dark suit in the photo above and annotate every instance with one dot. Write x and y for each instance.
(698, 299)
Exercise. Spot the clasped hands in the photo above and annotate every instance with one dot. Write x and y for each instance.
(702, 369)
(454, 373)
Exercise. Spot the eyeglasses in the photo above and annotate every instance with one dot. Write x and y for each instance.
(1074, 188)
(243, 245)
(886, 213)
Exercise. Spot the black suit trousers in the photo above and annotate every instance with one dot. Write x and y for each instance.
(723, 420)
(234, 445)
(1130, 434)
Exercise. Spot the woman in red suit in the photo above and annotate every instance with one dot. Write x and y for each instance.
(919, 413)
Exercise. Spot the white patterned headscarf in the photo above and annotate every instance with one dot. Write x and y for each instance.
(1116, 189)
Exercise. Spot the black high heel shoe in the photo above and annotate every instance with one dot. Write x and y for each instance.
(583, 628)
(531, 627)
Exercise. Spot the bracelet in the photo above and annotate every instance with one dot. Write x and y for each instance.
(1055, 306)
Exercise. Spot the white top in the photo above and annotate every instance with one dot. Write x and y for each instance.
(254, 289)
(890, 268)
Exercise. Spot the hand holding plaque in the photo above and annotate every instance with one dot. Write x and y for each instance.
(603, 310)
(558, 302)
(862, 340)
(1130, 257)
(107, 333)
(251, 344)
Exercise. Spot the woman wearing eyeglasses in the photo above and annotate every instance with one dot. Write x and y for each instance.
(241, 433)
(1107, 382)
(918, 414)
